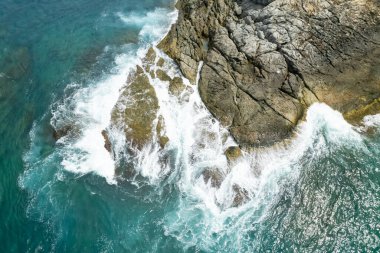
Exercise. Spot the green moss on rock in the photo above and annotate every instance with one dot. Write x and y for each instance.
(233, 153)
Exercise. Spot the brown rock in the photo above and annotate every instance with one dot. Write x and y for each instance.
(176, 86)
(214, 176)
(107, 142)
(241, 196)
(233, 153)
(160, 62)
(264, 64)
(162, 138)
(141, 105)
(62, 131)
(163, 76)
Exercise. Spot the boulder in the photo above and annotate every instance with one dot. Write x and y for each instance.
(233, 153)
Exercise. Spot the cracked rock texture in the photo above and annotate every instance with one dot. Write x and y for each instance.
(266, 61)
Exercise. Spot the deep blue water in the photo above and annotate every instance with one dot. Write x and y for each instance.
(320, 195)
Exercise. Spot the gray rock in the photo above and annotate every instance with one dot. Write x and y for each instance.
(265, 65)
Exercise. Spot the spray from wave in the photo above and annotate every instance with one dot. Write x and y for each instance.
(88, 111)
(221, 198)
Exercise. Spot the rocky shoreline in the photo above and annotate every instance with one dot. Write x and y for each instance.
(263, 64)
(258, 66)
(266, 62)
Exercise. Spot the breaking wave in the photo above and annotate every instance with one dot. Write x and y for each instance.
(217, 205)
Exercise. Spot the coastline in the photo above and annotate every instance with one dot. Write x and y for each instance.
(252, 91)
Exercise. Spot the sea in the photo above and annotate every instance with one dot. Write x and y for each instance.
(63, 64)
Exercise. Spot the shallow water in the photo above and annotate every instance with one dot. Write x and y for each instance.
(63, 63)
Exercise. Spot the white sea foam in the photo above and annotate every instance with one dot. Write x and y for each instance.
(90, 108)
(372, 121)
(198, 143)
(153, 24)
(260, 172)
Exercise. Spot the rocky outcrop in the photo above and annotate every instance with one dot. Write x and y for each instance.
(266, 61)
(232, 154)
(136, 112)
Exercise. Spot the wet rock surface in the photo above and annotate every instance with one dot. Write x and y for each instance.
(137, 109)
(107, 142)
(214, 176)
(160, 130)
(136, 112)
(265, 62)
(233, 153)
(176, 86)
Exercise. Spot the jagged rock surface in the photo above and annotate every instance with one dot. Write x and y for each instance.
(266, 61)
(137, 109)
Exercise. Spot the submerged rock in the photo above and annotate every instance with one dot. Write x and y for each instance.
(163, 76)
(266, 62)
(214, 176)
(59, 133)
(241, 196)
(15, 64)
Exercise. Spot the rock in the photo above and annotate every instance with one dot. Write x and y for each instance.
(187, 41)
(266, 64)
(152, 74)
(241, 196)
(214, 176)
(163, 76)
(139, 71)
(233, 153)
(149, 59)
(62, 131)
(136, 109)
(107, 142)
(176, 86)
(160, 62)
(238, 9)
(356, 116)
(150, 56)
(163, 140)
(160, 127)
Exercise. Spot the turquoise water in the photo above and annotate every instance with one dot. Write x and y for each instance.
(62, 62)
